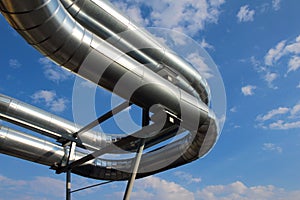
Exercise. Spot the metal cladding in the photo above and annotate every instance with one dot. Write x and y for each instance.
(93, 40)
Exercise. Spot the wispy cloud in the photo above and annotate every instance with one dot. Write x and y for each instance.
(281, 118)
(37, 188)
(245, 14)
(153, 187)
(282, 125)
(270, 77)
(236, 126)
(50, 99)
(276, 4)
(53, 72)
(298, 86)
(191, 16)
(150, 188)
(284, 53)
(248, 90)
(233, 109)
(206, 45)
(198, 62)
(238, 190)
(14, 63)
(274, 54)
(294, 47)
(273, 113)
(284, 48)
(41, 188)
(272, 147)
(186, 177)
(295, 111)
(294, 64)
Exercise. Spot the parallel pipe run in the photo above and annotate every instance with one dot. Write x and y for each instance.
(78, 35)
(101, 18)
(55, 127)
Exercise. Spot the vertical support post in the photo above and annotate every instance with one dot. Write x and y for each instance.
(68, 185)
(68, 173)
(145, 122)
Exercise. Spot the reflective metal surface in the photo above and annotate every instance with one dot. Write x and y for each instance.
(93, 40)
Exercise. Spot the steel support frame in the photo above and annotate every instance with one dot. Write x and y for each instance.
(73, 141)
(72, 144)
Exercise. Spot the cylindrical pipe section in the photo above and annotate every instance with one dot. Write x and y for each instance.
(71, 44)
(46, 123)
(21, 145)
(105, 21)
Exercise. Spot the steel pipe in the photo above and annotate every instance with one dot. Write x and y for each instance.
(91, 39)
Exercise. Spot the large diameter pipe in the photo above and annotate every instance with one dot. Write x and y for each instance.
(58, 35)
(103, 19)
(40, 121)
(71, 45)
(24, 146)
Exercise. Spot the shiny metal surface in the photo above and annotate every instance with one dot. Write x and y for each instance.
(46, 123)
(31, 148)
(93, 40)
(18, 144)
(100, 17)
(55, 127)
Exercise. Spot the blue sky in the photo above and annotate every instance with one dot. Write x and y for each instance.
(256, 46)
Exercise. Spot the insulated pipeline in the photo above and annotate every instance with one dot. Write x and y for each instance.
(92, 40)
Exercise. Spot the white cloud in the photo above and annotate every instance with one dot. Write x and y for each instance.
(285, 53)
(275, 54)
(273, 113)
(37, 188)
(199, 64)
(133, 11)
(295, 111)
(294, 63)
(276, 4)
(59, 105)
(245, 14)
(282, 49)
(50, 99)
(298, 86)
(150, 188)
(294, 47)
(53, 72)
(256, 64)
(14, 63)
(233, 109)
(186, 177)
(53, 186)
(239, 191)
(215, 192)
(282, 118)
(248, 90)
(206, 45)
(270, 77)
(191, 15)
(271, 147)
(281, 125)
(45, 95)
(153, 187)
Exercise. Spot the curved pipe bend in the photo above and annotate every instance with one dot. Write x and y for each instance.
(68, 41)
